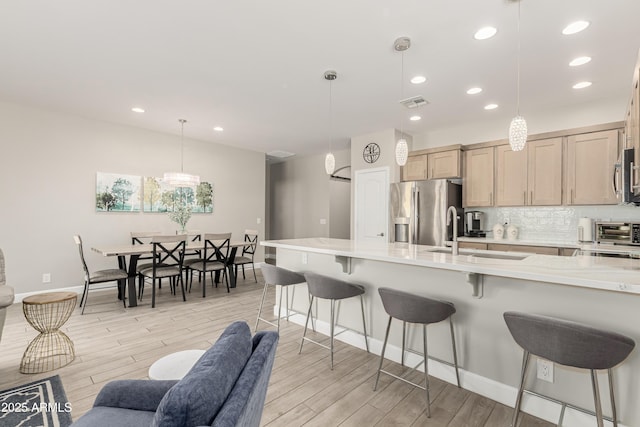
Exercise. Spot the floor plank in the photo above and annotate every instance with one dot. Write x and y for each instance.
(116, 343)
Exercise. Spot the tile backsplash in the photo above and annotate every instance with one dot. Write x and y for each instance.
(557, 223)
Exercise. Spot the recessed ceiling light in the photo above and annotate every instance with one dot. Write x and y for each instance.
(418, 79)
(485, 33)
(474, 90)
(491, 106)
(580, 61)
(218, 129)
(581, 85)
(575, 27)
(137, 110)
(415, 118)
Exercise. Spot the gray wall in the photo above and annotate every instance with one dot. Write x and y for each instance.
(48, 171)
(301, 195)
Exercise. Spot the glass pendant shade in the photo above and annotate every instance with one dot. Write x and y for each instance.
(518, 133)
(330, 163)
(402, 152)
(179, 179)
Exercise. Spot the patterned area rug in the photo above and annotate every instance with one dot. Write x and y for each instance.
(41, 403)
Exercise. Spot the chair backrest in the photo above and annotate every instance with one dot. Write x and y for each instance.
(414, 308)
(244, 405)
(568, 343)
(142, 237)
(326, 287)
(250, 236)
(216, 247)
(78, 241)
(168, 250)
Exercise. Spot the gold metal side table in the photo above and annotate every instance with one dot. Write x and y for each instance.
(52, 349)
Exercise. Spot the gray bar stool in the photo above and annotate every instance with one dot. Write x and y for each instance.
(420, 310)
(570, 344)
(279, 277)
(325, 287)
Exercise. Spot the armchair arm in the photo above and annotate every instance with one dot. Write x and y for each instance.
(141, 395)
(6, 296)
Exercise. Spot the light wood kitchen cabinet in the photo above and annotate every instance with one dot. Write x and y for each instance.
(540, 250)
(477, 187)
(444, 164)
(544, 172)
(511, 176)
(567, 251)
(590, 168)
(415, 169)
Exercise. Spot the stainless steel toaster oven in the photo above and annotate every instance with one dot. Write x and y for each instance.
(621, 233)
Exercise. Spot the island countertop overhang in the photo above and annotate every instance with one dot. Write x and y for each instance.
(611, 274)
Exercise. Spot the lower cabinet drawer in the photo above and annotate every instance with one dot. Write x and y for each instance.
(472, 245)
(540, 250)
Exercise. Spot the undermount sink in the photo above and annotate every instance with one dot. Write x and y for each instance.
(489, 255)
(499, 256)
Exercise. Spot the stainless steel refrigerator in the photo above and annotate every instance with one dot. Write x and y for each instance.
(418, 211)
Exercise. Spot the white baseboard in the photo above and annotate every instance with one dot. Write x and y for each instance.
(505, 394)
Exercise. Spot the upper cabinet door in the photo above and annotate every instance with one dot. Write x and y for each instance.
(590, 168)
(511, 177)
(445, 164)
(544, 170)
(415, 169)
(477, 186)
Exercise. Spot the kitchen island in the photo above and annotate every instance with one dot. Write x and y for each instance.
(603, 292)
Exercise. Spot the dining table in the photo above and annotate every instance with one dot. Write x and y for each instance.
(134, 251)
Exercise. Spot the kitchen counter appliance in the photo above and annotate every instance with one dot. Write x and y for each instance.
(418, 211)
(474, 224)
(619, 233)
(623, 179)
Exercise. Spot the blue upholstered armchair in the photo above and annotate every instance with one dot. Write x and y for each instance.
(226, 387)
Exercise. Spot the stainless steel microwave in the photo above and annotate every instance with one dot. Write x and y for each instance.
(621, 233)
(623, 178)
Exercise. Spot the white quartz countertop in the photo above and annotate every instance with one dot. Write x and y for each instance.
(613, 274)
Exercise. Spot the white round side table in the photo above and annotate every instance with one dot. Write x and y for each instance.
(174, 366)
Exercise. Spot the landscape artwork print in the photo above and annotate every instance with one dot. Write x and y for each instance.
(117, 192)
(162, 197)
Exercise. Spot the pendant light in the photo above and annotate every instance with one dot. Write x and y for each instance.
(330, 160)
(181, 179)
(518, 126)
(402, 149)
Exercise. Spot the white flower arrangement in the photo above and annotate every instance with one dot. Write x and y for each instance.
(181, 215)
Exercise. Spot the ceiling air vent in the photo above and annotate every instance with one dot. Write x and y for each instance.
(414, 102)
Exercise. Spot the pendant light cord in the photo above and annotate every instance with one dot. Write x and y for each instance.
(518, 62)
(182, 122)
(330, 116)
(401, 93)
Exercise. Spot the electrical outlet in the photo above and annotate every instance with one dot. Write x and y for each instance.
(545, 370)
(259, 220)
(46, 278)
(305, 258)
(507, 221)
(323, 221)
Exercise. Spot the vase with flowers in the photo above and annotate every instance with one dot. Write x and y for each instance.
(181, 215)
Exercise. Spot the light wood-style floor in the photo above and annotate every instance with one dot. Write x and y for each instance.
(114, 343)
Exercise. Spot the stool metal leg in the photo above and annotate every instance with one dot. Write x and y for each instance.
(264, 292)
(331, 327)
(384, 347)
(455, 353)
(404, 333)
(596, 398)
(280, 307)
(306, 323)
(523, 375)
(426, 369)
(364, 324)
(614, 415)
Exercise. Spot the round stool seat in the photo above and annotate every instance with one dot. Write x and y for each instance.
(414, 308)
(329, 288)
(174, 366)
(280, 276)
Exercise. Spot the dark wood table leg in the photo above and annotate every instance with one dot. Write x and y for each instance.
(133, 264)
(230, 265)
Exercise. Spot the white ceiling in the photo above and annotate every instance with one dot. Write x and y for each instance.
(256, 67)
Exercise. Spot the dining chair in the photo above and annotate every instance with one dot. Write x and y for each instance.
(168, 256)
(248, 252)
(100, 276)
(215, 258)
(142, 238)
(193, 255)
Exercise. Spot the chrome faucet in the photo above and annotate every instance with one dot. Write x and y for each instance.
(452, 214)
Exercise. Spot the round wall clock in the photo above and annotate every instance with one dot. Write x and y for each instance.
(371, 152)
